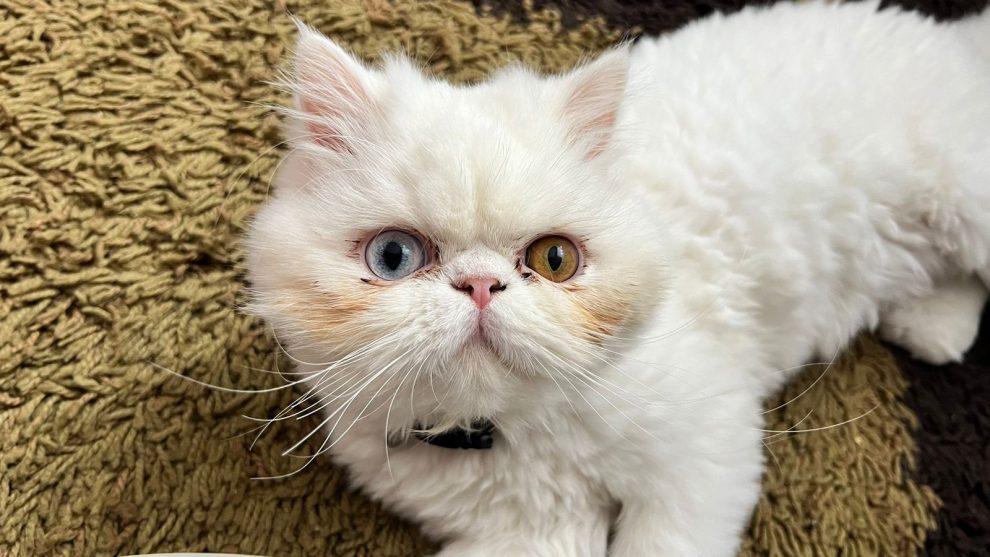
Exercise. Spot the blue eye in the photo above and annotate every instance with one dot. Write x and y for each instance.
(394, 254)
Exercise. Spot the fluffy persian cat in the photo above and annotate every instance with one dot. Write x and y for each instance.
(597, 277)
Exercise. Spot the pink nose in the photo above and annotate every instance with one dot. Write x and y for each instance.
(480, 289)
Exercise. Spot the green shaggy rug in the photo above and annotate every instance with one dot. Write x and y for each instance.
(134, 147)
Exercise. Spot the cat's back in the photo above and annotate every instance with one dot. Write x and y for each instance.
(830, 47)
(813, 106)
(807, 79)
(810, 141)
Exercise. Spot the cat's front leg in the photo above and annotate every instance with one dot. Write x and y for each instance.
(696, 504)
(581, 536)
(521, 547)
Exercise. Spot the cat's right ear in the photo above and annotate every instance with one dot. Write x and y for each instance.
(593, 94)
(333, 93)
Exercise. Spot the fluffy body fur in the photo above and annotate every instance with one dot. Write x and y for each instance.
(749, 193)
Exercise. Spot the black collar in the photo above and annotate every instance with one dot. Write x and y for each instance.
(480, 437)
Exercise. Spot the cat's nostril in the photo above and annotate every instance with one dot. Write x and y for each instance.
(480, 289)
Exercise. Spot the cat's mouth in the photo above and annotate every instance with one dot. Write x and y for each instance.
(481, 336)
(483, 347)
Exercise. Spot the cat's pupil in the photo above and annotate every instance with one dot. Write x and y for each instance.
(555, 257)
(392, 255)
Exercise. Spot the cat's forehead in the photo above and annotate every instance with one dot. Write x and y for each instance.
(476, 176)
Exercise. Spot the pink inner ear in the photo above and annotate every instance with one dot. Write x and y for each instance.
(323, 132)
(593, 104)
(334, 98)
(601, 126)
(593, 122)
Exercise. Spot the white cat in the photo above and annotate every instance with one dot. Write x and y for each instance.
(612, 267)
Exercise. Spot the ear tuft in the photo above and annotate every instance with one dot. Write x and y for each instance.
(594, 94)
(333, 92)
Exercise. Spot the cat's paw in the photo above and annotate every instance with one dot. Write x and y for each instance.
(938, 328)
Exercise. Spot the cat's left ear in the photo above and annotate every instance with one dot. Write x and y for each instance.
(334, 94)
(594, 93)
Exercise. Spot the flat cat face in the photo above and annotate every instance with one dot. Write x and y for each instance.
(471, 234)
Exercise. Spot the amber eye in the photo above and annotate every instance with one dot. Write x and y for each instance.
(554, 257)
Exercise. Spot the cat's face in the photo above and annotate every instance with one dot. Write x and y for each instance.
(471, 235)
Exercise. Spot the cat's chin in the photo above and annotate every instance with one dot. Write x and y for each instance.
(484, 383)
(481, 359)
(479, 344)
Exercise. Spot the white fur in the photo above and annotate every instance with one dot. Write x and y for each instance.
(776, 181)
